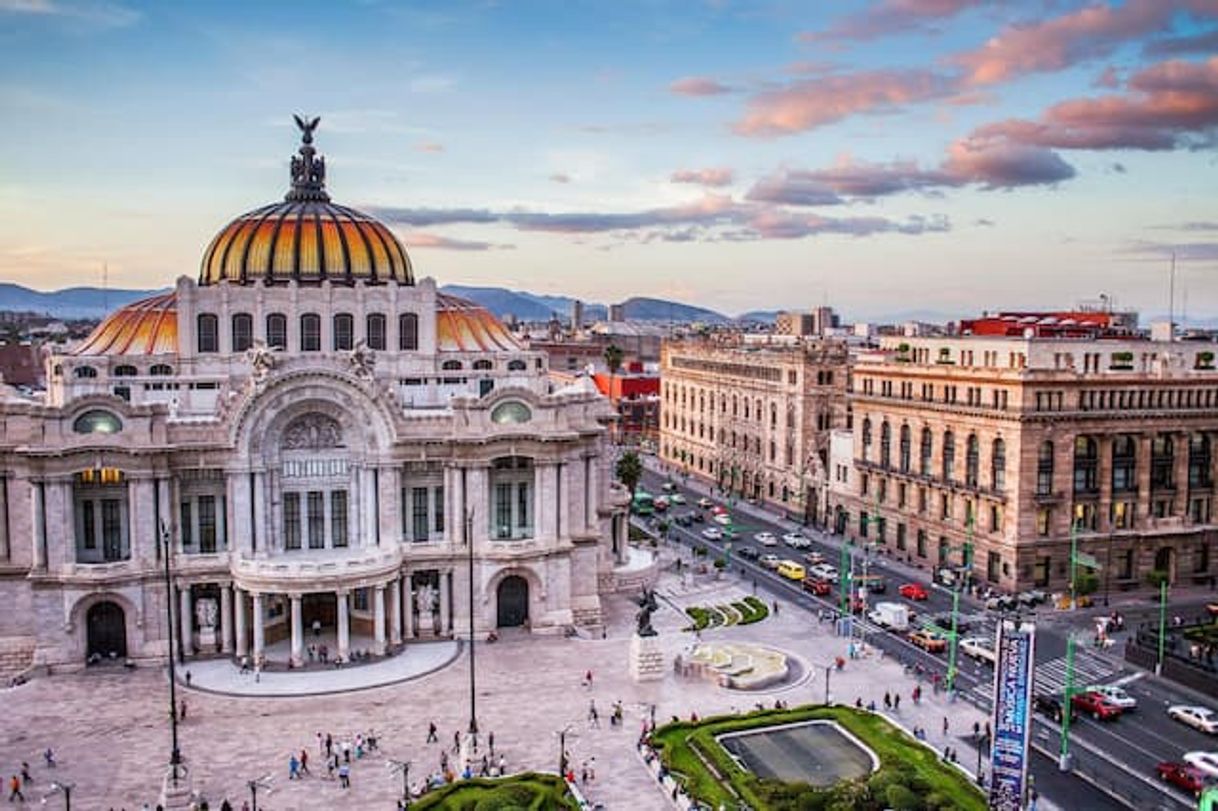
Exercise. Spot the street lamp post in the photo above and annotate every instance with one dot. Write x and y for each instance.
(1162, 625)
(402, 766)
(562, 748)
(263, 782)
(473, 695)
(175, 755)
(61, 787)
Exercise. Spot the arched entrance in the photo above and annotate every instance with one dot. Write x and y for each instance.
(106, 631)
(512, 598)
(1163, 563)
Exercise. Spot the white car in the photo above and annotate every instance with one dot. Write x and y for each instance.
(1201, 718)
(677, 498)
(770, 561)
(723, 518)
(1116, 696)
(1203, 761)
(796, 541)
(712, 533)
(979, 648)
(825, 572)
(766, 539)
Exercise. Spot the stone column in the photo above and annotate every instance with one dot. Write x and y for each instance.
(445, 589)
(38, 495)
(226, 618)
(408, 607)
(395, 611)
(297, 632)
(186, 617)
(344, 630)
(389, 497)
(1103, 508)
(563, 530)
(378, 620)
(543, 494)
(259, 630)
(239, 621)
(261, 531)
(1180, 475)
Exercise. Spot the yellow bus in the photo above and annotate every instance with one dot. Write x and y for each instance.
(791, 570)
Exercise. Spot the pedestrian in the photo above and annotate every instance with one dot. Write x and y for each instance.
(945, 725)
(346, 747)
(49, 757)
(593, 715)
(321, 743)
(14, 789)
(304, 761)
(431, 733)
(502, 765)
(226, 805)
(592, 770)
(183, 712)
(456, 742)
(329, 744)
(887, 700)
(588, 679)
(331, 765)
(987, 730)
(25, 773)
(293, 768)
(188, 677)
(344, 776)
(776, 608)
(976, 730)
(490, 741)
(896, 701)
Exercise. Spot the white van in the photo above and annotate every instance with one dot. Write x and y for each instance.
(893, 616)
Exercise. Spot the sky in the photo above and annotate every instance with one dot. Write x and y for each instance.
(882, 157)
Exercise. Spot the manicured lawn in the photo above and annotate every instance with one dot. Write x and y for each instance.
(531, 791)
(911, 776)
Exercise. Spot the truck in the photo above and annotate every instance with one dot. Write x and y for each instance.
(893, 616)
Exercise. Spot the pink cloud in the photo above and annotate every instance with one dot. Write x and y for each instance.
(719, 176)
(997, 163)
(1108, 79)
(1093, 31)
(560, 177)
(805, 105)
(420, 239)
(698, 86)
(1168, 105)
(429, 146)
(889, 17)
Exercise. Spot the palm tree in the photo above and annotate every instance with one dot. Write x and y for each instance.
(629, 470)
(613, 360)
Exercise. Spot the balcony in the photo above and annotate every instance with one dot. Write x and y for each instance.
(318, 570)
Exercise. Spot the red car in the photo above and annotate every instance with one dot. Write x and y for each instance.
(1095, 705)
(818, 587)
(914, 591)
(1182, 776)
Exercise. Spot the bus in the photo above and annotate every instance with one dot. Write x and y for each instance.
(644, 503)
(791, 570)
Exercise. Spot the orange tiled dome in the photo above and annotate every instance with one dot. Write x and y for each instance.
(462, 326)
(145, 327)
(306, 237)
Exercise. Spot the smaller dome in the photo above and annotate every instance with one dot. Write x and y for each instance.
(145, 327)
(462, 326)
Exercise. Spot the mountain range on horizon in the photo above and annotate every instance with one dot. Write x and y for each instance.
(96, 302)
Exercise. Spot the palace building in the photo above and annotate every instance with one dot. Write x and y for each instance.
(315, 440)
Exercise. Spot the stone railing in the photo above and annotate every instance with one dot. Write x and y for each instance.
(350, 569)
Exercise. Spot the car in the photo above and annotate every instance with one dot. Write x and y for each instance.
(814, 558)
(1000, 602)
(1032, 597)
(1116, 696)
(928, 641)
(1202, 718)
(1205, 762)
(795, 540)
(730, 534)
(770, 561)
(683, 520)
(980, 648)
(712, 534)
(705, 503)
(1049, 705)
(660, 504)
(696, 517)
(815, 585)
(1095, 705)
(723, 519)
(914, 591)
(677, 498)
(1212, 609)
(748, 553)
(669, 487)
(943, 619)
(766, 539)
(825, 572)
(1183, 776)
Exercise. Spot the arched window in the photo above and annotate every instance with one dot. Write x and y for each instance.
(310, 332)
(972, 461)
(866, 437)
(1086, 464)
(773, 415)
(408, 331)
(344, 332)
(926, 451)
(160, 370)
(97, 422)
(757, 411)
(208, 329)
(451, 365)
(885, 444)
(949, 456)
(998, 465)
(1124, 464)
(374, 331)
(1044, 469)
(483, 365)
(126, 370)
(1162, 463)
(517, 366)
(85, 372)
(277, 331)
(242, 331)
(906, 450)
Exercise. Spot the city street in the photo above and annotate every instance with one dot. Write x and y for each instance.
(1118, 756)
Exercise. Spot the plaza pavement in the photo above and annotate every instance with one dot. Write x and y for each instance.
(111, 736)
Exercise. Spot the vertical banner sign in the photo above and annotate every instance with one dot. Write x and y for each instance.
(1012, 715)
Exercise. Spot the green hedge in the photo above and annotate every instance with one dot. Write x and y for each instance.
(751, 610)
(531, 791)
(910, 777)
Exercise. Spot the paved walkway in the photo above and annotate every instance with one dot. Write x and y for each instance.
(108, 726)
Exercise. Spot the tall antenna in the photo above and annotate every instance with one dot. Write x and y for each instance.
(105, 288)
(1171, 300)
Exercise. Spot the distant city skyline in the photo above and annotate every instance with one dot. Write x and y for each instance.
(897, 155)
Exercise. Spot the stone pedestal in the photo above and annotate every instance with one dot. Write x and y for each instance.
(208, 639)
(646, 658)
(179, 797)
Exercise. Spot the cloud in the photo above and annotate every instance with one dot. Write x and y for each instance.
(1169, 105)
(716, 176)
(1203, 43)
(996, 163)
(889, 17)
(1183, 251)
(431, 84)
(982, 222)
(698, 86)
(1108, 79)
(773, 223)
(429, 146)
(435, 216)
(1194, 225)
(420, 239)
(560, 177)
(1090, 32)
(808, 104)
(94, 12)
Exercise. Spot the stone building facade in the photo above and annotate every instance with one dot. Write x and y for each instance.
(988, 453)
(754, 416)
(313, 440)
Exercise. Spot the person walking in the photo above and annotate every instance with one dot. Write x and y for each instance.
(490, 741)
(593, 716)
(293, 768)
(431, 733)
(945, 725)
(344, 776)
(329, 744)
(896, 701)
(456, 742)
(14, 789)
(25, 773)
(304, 761)
(49, 757)
(887, 700)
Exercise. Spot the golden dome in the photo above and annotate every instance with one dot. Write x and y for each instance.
(145, 327)
(463, 326)
(306, 238)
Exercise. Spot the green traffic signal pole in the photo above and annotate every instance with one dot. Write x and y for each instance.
(1074, 563)
(1067, 705)
(1162, 624)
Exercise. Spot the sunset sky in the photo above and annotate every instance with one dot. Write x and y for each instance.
(881, 157)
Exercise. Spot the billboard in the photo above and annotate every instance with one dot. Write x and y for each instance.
(1012, 715)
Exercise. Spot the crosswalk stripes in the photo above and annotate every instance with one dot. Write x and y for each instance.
(1051, 676)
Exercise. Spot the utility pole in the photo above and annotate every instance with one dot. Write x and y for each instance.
(175, 754)
(1162, 624)
(953, 636)
(473, 694)
(1067, 706)
(1074, 560)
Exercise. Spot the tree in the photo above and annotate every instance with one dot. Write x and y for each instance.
(629, 470)
(613, 361)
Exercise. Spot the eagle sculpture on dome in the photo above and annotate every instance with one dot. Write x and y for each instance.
(307, 127)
